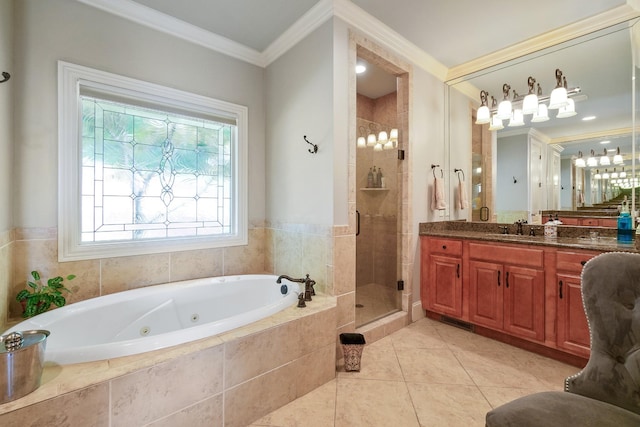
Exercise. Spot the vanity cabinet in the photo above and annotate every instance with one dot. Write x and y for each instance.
(517, 290)
(442, 268)
(507, 289)
(572, 329)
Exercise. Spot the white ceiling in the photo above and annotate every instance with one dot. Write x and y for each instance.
(451, 32)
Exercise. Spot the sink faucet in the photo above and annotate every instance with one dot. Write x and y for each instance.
(519, 224)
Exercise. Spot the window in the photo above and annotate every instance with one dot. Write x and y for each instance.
(145, 168)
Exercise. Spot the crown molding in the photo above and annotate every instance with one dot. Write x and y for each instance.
(309, 22)
(383, 35)
(592, 135)
(159, 21)
(586, 26)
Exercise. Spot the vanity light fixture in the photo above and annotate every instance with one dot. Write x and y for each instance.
(591, 160)
(558, 96)
(496, 123)
(614, 174)
(530, 102)
(568, 110)
(361, 142)
(604, 159)
(377, 147)
(623, 174)
(483, 115)
(580, 163)
(605, 175)
(504, 108)
(517, 118)
(617, 159)
(597, 175)
(383, 137)
(542, 115)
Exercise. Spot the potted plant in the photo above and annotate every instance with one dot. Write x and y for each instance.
(38, 297)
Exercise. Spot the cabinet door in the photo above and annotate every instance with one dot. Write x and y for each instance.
(445, 285)
(524, 302)
(573, 330)
(485, 293)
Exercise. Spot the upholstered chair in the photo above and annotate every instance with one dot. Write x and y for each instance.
(607, 391)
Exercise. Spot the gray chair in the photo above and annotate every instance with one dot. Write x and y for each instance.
(607, 391)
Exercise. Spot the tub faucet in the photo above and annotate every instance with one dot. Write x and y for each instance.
(308, 285)
(308, 288)
(291, 279)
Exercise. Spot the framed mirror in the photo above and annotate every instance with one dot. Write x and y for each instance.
(529, 165)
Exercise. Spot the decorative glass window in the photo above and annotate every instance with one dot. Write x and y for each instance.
(147, 169)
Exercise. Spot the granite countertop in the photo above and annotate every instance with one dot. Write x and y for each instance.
(568, 236)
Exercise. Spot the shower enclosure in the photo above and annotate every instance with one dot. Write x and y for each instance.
(378, 207)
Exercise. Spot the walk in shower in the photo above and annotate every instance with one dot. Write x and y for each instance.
(378, 197)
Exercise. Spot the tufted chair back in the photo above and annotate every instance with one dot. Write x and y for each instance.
(611, 298)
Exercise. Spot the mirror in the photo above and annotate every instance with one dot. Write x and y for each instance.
(534, 164)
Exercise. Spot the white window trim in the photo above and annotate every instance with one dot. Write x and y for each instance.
(70, 247)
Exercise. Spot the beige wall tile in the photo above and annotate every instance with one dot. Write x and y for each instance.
(316, 331)
(154, 393)
(344, 265)
(255, 398)
(207, 413)
(247, 259)
(196, 264)
(346, 308)
(260, 352)
(121, 274)
(65, 410)
(315, 369)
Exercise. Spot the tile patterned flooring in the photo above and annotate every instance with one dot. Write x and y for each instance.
(426, 374)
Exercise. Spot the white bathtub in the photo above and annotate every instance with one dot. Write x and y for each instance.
(160, 316)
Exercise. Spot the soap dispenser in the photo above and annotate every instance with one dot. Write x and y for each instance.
(625, 224)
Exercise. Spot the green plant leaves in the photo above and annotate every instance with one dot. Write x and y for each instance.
(38, 297)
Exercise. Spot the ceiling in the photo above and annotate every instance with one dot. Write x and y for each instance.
(451, 32)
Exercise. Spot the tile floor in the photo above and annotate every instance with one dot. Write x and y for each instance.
(426, 374)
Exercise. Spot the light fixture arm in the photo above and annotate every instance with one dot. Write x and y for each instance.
(505, 91)
(531, 83)
(559, 78)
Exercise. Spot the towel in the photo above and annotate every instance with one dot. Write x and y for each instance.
(438, 203)
(463, 201)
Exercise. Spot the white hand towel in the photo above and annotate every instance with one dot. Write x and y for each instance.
(463, 201)
(438, 202)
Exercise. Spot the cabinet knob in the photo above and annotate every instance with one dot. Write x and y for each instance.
(583, 262)
(444, 246)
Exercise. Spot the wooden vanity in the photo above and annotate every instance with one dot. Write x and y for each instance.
(523, 290)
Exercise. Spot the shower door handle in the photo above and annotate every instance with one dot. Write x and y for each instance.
(357, 222)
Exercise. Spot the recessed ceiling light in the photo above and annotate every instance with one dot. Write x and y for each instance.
(605, 142)
(360, 68)
(587, 118)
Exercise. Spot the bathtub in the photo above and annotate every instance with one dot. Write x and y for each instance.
(155, 317)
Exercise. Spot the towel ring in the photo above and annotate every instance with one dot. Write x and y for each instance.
(433, 169)
(459, 170)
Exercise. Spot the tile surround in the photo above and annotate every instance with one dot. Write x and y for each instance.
(191, 383)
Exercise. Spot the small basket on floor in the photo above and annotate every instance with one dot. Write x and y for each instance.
(352, 346)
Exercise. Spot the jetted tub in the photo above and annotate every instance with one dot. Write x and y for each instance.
(159, 316)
